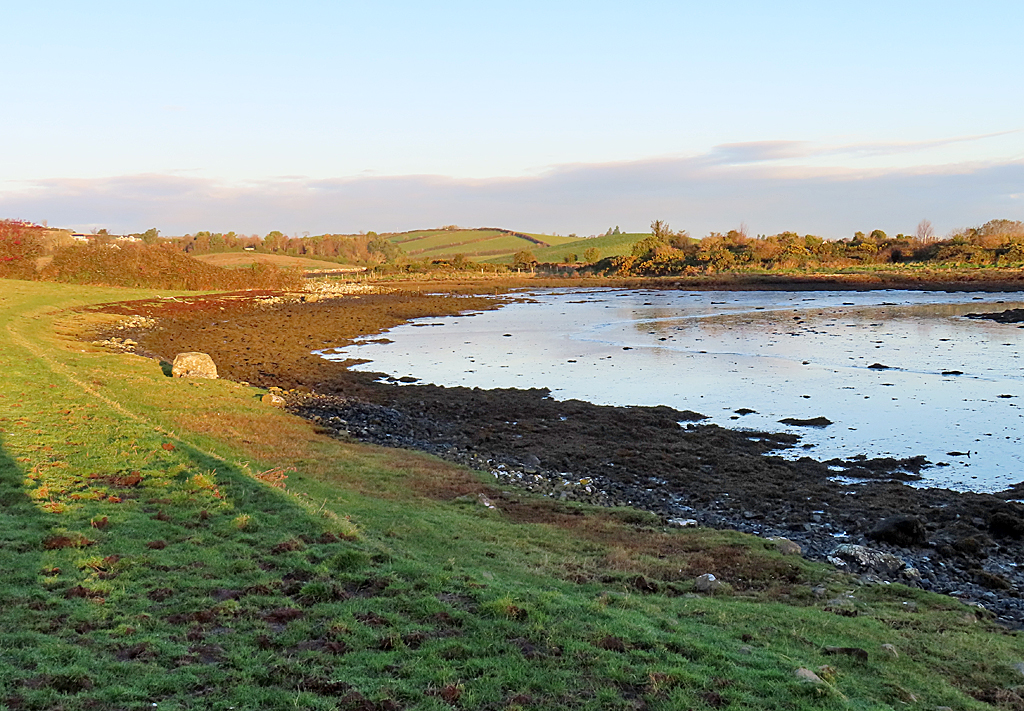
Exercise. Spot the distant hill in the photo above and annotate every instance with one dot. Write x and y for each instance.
(607, 245)
(482, 244)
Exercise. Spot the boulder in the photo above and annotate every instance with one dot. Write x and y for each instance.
(805, 674)
(900, 530)
(273, 399)
(868, 561)
(193, 365)
(706, 583)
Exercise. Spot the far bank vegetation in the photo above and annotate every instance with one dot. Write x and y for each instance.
(30, 251)
(997, 243)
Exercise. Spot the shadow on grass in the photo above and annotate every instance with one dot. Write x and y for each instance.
(22, 527)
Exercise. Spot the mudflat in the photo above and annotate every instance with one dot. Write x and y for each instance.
(655, 458)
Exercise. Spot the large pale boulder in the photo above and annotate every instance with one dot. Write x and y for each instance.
(193, 365)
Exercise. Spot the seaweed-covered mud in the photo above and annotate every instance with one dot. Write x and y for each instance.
(1005, 316)
(655, 458)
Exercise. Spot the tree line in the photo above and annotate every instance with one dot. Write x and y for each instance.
(667, 252)
(365, 249)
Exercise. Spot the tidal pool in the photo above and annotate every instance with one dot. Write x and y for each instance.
(942, 386)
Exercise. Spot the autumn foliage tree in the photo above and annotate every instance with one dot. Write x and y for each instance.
(21, 243)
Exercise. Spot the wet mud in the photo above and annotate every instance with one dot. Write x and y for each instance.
(655, 458)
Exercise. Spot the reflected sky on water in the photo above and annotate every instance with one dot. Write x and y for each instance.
(781, 354)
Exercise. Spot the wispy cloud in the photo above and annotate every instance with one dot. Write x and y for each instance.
(769, 151)
(756, 152)
(717, 191)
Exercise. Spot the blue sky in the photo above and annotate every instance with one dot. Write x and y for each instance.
(556, 116)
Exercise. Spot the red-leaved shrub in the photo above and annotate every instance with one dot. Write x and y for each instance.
(20, 245)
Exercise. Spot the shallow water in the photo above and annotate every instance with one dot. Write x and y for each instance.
(780, 354)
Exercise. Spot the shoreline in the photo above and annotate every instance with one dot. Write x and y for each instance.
(963, 544)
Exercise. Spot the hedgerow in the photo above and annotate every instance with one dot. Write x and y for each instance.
(158, 266)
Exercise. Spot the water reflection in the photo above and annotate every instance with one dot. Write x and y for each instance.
(871, 362)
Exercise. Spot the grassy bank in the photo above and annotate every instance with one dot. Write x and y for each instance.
(182, 544)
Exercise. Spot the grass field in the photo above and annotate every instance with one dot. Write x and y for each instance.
(178, 544)
(476, 245)
(607, 246)
(233, 260)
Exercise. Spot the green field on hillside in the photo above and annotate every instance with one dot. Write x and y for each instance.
(476, 245)
(607, 245)
(178, 544)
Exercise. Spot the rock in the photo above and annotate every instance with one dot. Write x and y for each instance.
(645, 585)
(842, 606)
(193, 365)
(805, 674)
(890, 651)
(812, 422)
(531, 464)
(682, 522)
(786, 546)
(706, 583)
(855, 652)
(972, 546)
(486, 503)
(1003, 524)
(900, 530)
(863, 560)
(273, 399)
(992, 581)
(879, 366)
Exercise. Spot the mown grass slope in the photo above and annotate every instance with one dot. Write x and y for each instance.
(473, 244)
(606, 245)
(235, 260)
(180, 544)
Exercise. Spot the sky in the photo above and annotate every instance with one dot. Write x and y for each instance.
(564, 117)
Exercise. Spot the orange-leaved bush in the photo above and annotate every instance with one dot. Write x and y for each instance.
(21, 244)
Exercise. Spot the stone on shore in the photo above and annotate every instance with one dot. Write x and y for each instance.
(193, 365)
(870, 563)
(805, 674)
(706, 583)
(900, 530)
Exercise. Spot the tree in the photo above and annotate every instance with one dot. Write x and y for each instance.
(925, 233)
(570, 258)
(150, 236)
(591, 255)
(660, 231)
(274, 241)
(524, 260)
